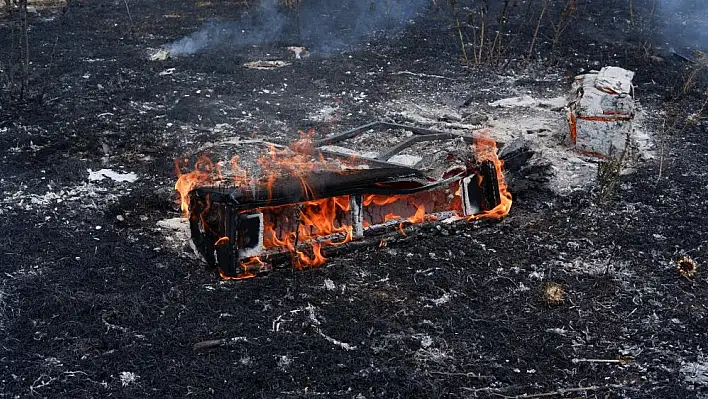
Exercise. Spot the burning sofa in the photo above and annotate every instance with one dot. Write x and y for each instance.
(302, 203)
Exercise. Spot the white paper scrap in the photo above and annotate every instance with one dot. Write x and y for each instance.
(113, 175)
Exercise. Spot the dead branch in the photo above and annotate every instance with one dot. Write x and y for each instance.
(538, 27)
(208, 344)
(422, 75)
(215, 343)
(564, 391)
(608, 361)
(130, 17)
(469, 375)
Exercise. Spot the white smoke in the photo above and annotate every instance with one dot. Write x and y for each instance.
(262, 26)
(685, 23)
(319, 25)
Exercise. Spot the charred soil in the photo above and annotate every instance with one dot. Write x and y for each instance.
(97, 299)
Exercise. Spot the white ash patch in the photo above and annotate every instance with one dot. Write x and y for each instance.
(349, 151)
(329, 285)
(327, 113)
(87, 195)
(284, 362)
(522, 288)
(93, 60)
(599, 265)
(405, 159)
(432, 355)
(159, 55)
(4, 307)
(432, 115)
(178, 237)
(148, 106)
(53, 362)
(523, 101)
(559, 331)
(226, 128)
(266, 64)
(442, 300)
(426, 341)
(554, 103)
(127, 378)
(168, 71)
(541, 120)
(180, 225)
(695, 373)
(536, 275)
(546, 131)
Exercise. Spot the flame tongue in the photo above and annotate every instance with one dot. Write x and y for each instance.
(486, 150)
(200, 176)
(315, 219)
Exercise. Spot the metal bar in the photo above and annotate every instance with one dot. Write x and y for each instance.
(337, 138)
(346, 135)
(417, 130)
(373, 162)
(415, 140)
(382, 188)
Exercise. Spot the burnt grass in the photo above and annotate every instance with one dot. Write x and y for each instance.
(90, 291)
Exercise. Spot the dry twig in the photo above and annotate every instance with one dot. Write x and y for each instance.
(538, 26)
(208, 344)
(564, 391)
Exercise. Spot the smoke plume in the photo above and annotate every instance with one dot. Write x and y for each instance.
(320, 25)
(685, 23)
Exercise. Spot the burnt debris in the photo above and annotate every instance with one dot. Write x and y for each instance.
(241, 229)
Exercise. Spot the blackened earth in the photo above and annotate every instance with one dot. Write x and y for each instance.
(94, 302)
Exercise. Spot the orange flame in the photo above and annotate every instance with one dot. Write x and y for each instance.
(222, 241)
(317, 220)
(249, 266)
(419, 215)
(201, 175)
(486, 150)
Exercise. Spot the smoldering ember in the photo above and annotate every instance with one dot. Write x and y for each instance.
(360, 198)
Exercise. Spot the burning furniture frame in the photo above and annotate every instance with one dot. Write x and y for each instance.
(243, 229)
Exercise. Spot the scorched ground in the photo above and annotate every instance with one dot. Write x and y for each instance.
(100, 297)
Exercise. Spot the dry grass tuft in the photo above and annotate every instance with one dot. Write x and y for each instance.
(686, 266)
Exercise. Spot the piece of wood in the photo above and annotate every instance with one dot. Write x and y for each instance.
(208, 344)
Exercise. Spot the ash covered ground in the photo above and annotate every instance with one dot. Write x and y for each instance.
(99, 296)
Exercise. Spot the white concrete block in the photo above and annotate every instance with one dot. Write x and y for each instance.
(601, 111)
